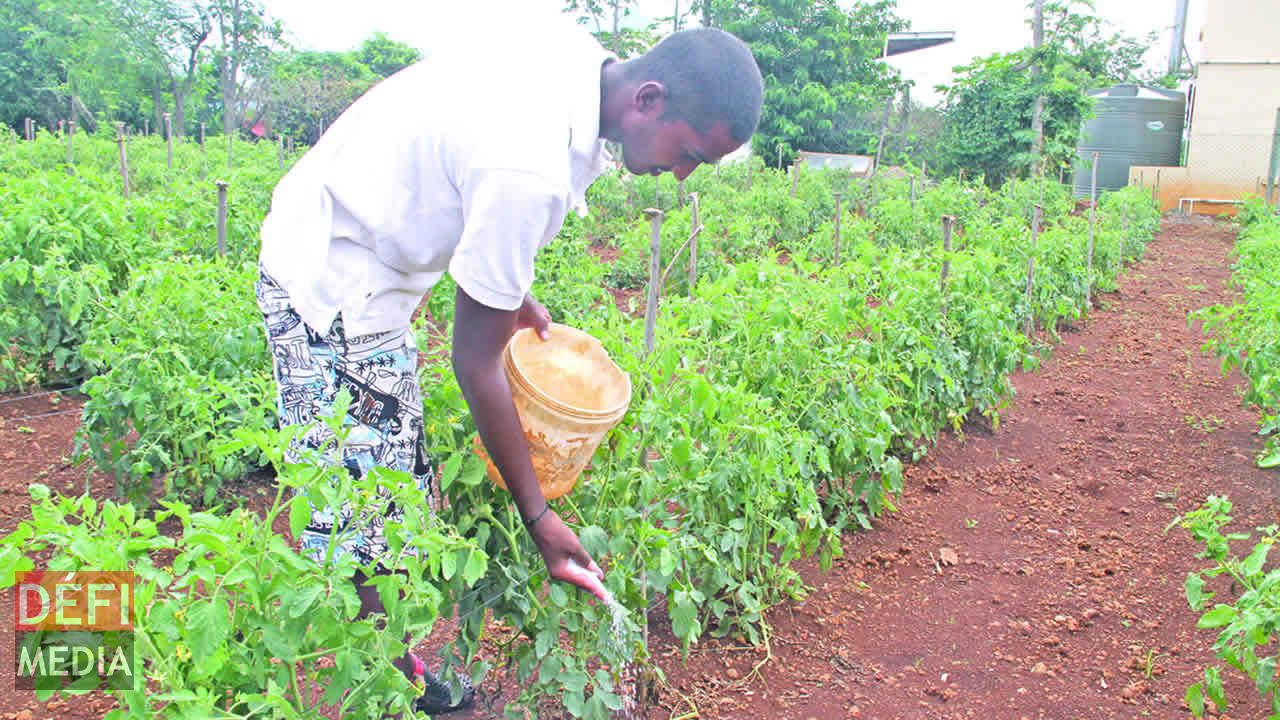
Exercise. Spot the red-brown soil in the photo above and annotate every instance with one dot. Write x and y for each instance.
(1026, 574)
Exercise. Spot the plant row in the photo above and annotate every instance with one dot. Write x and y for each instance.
(785, 393)
(1246, 334)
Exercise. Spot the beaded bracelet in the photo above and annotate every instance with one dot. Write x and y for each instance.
(528, 524)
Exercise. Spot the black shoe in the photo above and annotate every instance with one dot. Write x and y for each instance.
(437, 698)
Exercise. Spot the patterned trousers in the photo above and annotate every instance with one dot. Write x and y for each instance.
(384, 418)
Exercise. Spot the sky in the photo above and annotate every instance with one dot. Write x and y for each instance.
(982, 27)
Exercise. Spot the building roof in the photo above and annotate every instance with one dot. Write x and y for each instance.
(905, 42)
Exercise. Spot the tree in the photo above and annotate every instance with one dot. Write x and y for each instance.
(624, 42)
(309, 88)
(989, 109)
(246, 38)
(168, 37)
(26, 69)
(62, 58)
(384, 56)
(821, 68)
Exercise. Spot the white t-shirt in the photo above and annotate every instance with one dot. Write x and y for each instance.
(466, 162)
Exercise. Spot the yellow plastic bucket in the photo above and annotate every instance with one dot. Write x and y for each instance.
(569, 394)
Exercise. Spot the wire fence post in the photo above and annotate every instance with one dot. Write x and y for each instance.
(222, 217)
(124, 158)
(655, 277)
(948, 227)
(693, 243)
(168, 134)
(1031, 269)
(1093, 216)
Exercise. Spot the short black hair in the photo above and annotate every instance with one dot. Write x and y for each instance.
(711, 77)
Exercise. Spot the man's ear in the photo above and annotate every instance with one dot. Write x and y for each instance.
(651, 98)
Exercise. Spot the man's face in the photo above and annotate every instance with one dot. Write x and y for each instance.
(652, 145)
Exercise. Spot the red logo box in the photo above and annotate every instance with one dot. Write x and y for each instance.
(82, 600)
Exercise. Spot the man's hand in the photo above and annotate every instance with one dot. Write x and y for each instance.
(566, 560)
(533, 315)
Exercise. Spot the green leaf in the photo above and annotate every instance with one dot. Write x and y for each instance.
(684, 618)
(475, 568)
(208, 625)
(1195, 591)
(594, 540)
(1270, 460)
(1195, 700)
(299, 515)
(304, 598)
(1213, 687)
(1265, 677)
(1219, 616)
(1253, 564)
(449, 470)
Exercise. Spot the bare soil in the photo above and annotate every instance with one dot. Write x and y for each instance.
(1026, 574)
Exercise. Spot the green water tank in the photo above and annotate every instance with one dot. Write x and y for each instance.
(1132, 125)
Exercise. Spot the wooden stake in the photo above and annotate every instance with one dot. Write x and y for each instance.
(680, 195)
(839, 197)
(124, 158)
(168, 133)
(1031, 269)
(146, 126)
(655, 278)
(281, 152)
(948, 227)
(693, 243)
(913, 196)
(231, 139)
(222, 217)
(795, 177)
(1093, 213)
(71, 133)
